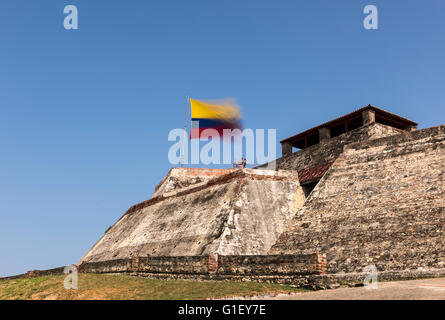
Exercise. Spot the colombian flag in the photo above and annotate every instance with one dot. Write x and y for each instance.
(214, 115)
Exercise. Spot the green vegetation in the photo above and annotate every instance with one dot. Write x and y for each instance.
(122, 287)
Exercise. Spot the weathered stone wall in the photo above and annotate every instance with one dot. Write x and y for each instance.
(243, 212)
(329, 150)
(382, 202)
(169, 264)
(298, 270)
(272, 264)
(224, 265)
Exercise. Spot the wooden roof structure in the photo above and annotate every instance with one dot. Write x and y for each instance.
(347, 123)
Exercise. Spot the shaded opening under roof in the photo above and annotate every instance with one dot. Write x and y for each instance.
(345, 124)
(308, 187)
(389, 122)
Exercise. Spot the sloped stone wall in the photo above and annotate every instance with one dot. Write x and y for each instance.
(382, 202)
(243, 212)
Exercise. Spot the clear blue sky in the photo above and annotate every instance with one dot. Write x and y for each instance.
(85, 114)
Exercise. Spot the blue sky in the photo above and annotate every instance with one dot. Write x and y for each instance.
(85, 114)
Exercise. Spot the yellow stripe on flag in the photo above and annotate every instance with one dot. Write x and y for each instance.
(208, 110)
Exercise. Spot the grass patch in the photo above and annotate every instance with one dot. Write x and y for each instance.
(123, 287)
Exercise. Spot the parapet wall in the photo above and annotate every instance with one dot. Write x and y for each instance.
(214, 264)
(36, 273)
(301, 270)
(272, 264)
(297, 270)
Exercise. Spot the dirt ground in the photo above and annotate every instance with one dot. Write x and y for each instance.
(424, 289)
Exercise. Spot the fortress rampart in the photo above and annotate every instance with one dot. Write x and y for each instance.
(365, 189)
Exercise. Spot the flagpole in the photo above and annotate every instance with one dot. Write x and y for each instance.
(185, 131)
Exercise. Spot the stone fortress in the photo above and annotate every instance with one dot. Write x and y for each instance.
(364, 189)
